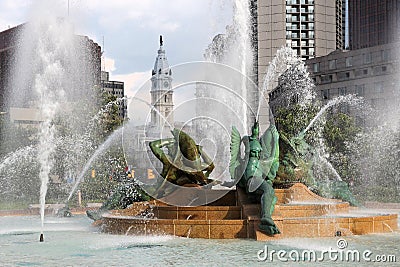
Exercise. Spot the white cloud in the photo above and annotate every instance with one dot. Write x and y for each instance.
(155, 14)
(132, 81)
(108, 64)
(13, 14)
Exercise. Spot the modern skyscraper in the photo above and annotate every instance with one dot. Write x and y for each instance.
(311, 27)
(373, 22)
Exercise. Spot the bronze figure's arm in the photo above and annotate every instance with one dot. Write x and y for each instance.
(156, 148)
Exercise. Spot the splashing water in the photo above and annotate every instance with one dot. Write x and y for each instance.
(242, 23)
(52, 50)
(350, 99)
(98, 152)
(284, 58)
(51, 73)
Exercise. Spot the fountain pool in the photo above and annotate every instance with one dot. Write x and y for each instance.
(73, 242)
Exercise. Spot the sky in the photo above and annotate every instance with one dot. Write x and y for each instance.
(130, 29)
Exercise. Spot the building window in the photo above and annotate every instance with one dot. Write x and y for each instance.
(332, 64)
(378, 87)
(360, 90)
(343, 76)
(342, 91)
(349, 61)
(367, 58)
(316, 67)
(325, 94)
(385, 55)
(326, 78)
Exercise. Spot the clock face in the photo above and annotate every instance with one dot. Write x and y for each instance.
(166, 84)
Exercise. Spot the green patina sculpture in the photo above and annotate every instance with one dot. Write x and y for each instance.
(257, 170)
(126, 193)
(297, 164)
(184, 163)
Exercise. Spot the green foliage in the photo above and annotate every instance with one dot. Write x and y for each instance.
(13, 137)
(291, 120)
(84, 126)
(110, 119)
(338, 130)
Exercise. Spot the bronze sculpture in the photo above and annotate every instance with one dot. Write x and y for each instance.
(184, 163)
(257, 170)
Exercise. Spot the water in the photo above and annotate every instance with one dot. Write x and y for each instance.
(73, 242)
(48, 75)
(241, 20)
(350, 99)
(105, 145)
(285, 58)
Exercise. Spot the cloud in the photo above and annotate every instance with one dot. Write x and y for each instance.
(108, 64)
(154, 14)
(14, 14)
(132, 81)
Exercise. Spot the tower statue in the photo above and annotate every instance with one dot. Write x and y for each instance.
(161, 91)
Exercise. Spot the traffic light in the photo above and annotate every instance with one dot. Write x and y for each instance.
(131, 174)
(150, 174)
(93, 173)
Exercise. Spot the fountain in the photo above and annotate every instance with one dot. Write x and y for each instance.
(220, 213)
(206, 210)
(48, 77)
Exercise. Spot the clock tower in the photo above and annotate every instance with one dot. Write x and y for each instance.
(161, 91)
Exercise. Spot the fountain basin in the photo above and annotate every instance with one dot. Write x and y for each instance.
(298, 213)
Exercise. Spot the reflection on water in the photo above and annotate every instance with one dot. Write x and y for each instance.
(73, 242)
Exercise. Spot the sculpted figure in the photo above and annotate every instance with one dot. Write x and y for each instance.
(257, 170)
(185, 162)
(300, 156)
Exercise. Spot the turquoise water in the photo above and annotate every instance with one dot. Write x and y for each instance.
(74, 242)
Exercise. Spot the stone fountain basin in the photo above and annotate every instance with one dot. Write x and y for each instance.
(298, 213)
